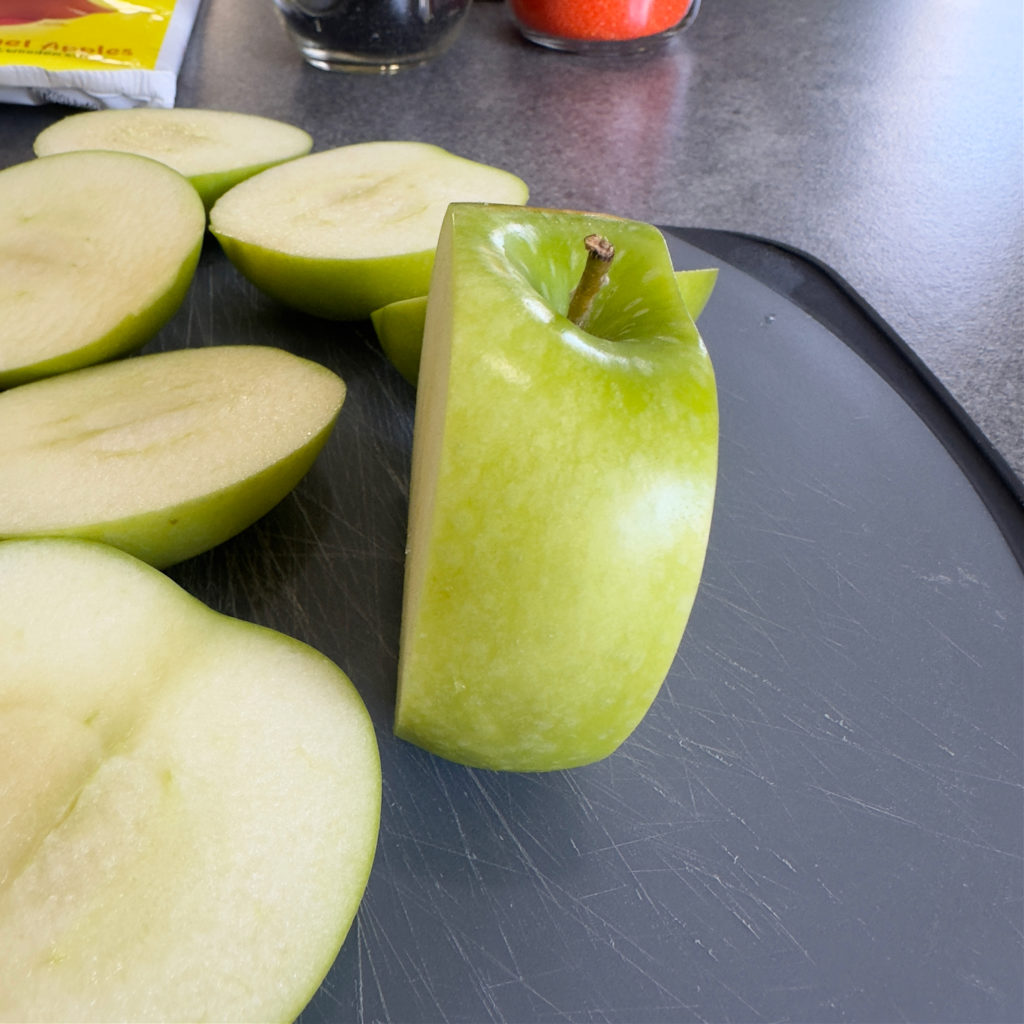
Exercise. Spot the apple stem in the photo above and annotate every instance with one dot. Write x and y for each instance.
(595, 272)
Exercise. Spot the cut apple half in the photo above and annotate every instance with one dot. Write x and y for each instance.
(97, 251)
(341, 233)
(162, 455)
(214, 149)
(190, 802)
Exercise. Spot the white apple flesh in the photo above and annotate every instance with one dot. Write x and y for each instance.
(190, 803)
(162, 455)
(561, 496)
(97, 251)
(214, 149)
(343, 232)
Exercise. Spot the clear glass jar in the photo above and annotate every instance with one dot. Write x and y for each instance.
(377, 36)
(602, 26)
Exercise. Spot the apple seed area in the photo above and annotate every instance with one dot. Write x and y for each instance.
(176, 783)
(358, 202)
(96, 251)
(343, 232)
(165, 454)
(190, 141)
(214, 149)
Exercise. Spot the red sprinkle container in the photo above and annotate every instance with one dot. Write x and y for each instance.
(602, 26)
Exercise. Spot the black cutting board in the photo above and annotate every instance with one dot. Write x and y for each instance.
(820, 819)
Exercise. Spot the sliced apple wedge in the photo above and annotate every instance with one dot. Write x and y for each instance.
(695, 287)
(214, 149)
(341, 233)
(162, 455)
(97, 251)
(190, 802)
(399, 329)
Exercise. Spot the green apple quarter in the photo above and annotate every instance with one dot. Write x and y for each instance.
(162, 455)
(214, 149)
(563, 479)
(399, 325)
(97, 251)
(342, 232)
(190, 802)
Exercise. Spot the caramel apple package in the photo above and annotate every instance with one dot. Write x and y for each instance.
(93, 53)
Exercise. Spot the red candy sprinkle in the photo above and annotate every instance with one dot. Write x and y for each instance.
(599, 19)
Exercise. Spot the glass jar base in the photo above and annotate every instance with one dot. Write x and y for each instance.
(601, 47)
(375, 38)
(334, 60)
(607, 47)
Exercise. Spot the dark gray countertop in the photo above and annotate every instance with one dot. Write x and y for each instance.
(883, 137)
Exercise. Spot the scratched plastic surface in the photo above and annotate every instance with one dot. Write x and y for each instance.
(820, 818)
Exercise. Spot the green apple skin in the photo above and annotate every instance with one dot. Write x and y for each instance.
(340, 233)
(97, 252)
(163, 455)
(344, 290)
(399, 325)
(561, 495)
(190, 803)
(213, 185)
(214, 149)
(399, 329)
(695, 287)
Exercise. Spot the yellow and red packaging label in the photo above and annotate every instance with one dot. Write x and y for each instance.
(93, 53)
